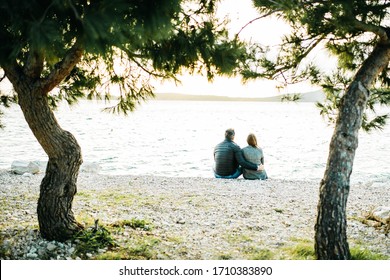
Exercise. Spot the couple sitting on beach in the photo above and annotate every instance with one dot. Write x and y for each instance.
(231, 161)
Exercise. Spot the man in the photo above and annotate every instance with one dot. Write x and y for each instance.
(229, 159)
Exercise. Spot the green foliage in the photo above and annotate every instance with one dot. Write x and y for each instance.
(334, 87)
(126, 45)
(348, 30)
(92, 239)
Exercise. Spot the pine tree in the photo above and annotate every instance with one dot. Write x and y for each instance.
(356, 32)
(63, 50)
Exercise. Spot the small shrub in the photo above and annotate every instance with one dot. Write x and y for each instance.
(91, 240)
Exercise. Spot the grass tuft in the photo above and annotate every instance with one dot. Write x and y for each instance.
(133, 223)
(91, 240)
(358, 253)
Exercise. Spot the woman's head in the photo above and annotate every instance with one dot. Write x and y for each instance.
(252, 141)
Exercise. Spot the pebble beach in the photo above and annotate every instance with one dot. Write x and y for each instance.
(189, 218)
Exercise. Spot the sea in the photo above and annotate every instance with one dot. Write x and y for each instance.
(177, 138)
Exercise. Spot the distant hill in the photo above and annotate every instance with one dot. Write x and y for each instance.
(314, 96)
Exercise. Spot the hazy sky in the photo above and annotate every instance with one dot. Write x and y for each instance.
(265, 31)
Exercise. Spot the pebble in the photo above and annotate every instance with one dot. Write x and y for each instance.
(209, 216)
(31, 256)
(51, 247)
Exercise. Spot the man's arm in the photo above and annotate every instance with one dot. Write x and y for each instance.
(241, 160)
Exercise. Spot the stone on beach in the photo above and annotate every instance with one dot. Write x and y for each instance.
(22, 167)
(27, 168)
(90, 167)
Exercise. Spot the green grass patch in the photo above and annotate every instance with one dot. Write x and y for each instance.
(225, 257)
(300, 251)
(255, 253)
(134, 224)
(358, 253)
(122, 240)
(262, 254)
(91, 240)
(304, 250)
(136, 248)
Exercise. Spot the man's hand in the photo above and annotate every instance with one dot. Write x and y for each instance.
(260, 167)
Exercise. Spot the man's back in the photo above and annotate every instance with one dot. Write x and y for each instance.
(224, 156)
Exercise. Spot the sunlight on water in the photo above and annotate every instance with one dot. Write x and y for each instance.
(177, 138)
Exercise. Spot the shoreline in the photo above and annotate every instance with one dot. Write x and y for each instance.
(190, 218)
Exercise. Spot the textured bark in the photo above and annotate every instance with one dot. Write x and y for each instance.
(331, 226)
(58, 187)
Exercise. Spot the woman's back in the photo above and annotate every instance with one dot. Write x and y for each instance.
(254, 155)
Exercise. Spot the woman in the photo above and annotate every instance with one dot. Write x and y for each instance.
(254, 154)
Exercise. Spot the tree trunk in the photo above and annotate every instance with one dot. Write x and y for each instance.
(58, 187)
(331, 226)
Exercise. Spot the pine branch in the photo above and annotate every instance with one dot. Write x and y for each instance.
(63, 68)
(151, 73)
(378, 30)
(253, 20)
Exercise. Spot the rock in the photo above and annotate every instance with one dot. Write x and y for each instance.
(33, 250)
(22, 167)
(381, 214)
(41, 251)
(31, 255)
(71, 250)
(51, 247)
(90, 167)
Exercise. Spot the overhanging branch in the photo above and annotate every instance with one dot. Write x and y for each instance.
(253, 20)
(62, 69)
(378, 30)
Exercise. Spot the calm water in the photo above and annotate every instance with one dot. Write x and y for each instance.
(176, 138)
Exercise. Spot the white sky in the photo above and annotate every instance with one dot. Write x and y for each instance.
(266, 31)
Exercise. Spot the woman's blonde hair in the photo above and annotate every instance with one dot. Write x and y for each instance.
(252, 141)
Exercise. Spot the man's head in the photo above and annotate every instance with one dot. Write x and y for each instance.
(229, 133)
